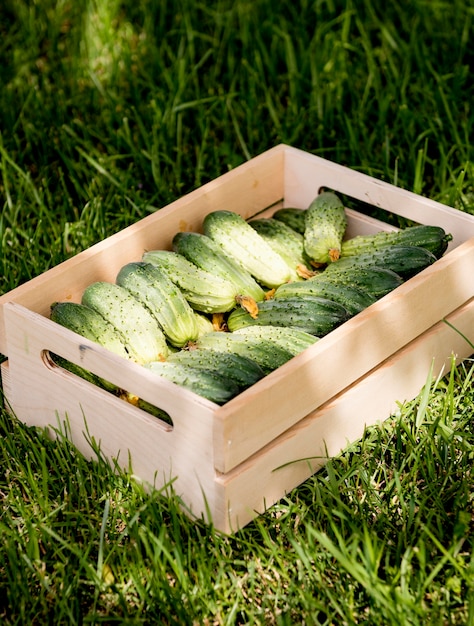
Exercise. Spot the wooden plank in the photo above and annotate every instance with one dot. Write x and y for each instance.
(294, 456)
(343, 356)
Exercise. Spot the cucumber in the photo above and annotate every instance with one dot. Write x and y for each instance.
(265, 352)
(376, 281)
(325, 226)
(138, 328)
(353, 299)
(152, 287)
(432, 238)
(206, 383)
(288, 243)
(406, 261)
(238, 368)
(206, 254)
(239, 241)
(205, 292)
(291, 339)
(312, 314)
(89, 324)
(292, 217)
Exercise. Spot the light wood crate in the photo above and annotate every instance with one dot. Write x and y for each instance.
(229, 463)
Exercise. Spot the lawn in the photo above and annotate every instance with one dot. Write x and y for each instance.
(111, 110)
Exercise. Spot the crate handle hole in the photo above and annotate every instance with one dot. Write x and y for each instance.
(55, 362)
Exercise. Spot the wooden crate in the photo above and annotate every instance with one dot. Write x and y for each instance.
(231, 462)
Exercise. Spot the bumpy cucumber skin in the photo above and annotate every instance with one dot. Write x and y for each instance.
(266, 353)
(206, 254)
(432, 238)
(91, 325)
(238, 368)
(377, 281)
(292, 217)
(238, 240)
(404, 260)
(352, 298)
(312, 314)
(204, 291)
(325, 227)
(206, 383)
(88, 323)
(139, 330)
(288, 243)
(291, 339)
(163, 298)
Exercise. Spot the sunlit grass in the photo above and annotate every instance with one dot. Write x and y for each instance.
(110, 110)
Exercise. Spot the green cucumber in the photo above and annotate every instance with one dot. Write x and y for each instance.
(204, 323)
(206, 383)
(288, 243)
(353, 299)
(205, 292)
(239, 241)
(207, 255)
(291, 339)
(432, 238)
(89, 324)
(152, 287)
(139, 329)
(314, 315)
(376, 281)
(265, 352)
(325, 227)
(404, 260)
(238, 368)
(292, 217)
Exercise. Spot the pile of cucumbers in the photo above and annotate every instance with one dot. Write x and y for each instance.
(226, 306)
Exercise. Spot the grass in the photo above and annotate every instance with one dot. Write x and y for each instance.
(109, 111)
(382, 535)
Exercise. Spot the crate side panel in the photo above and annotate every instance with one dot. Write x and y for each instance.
(305, 174)
(247, 189)
(293, 457)
(343, 356)
(39, 395)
